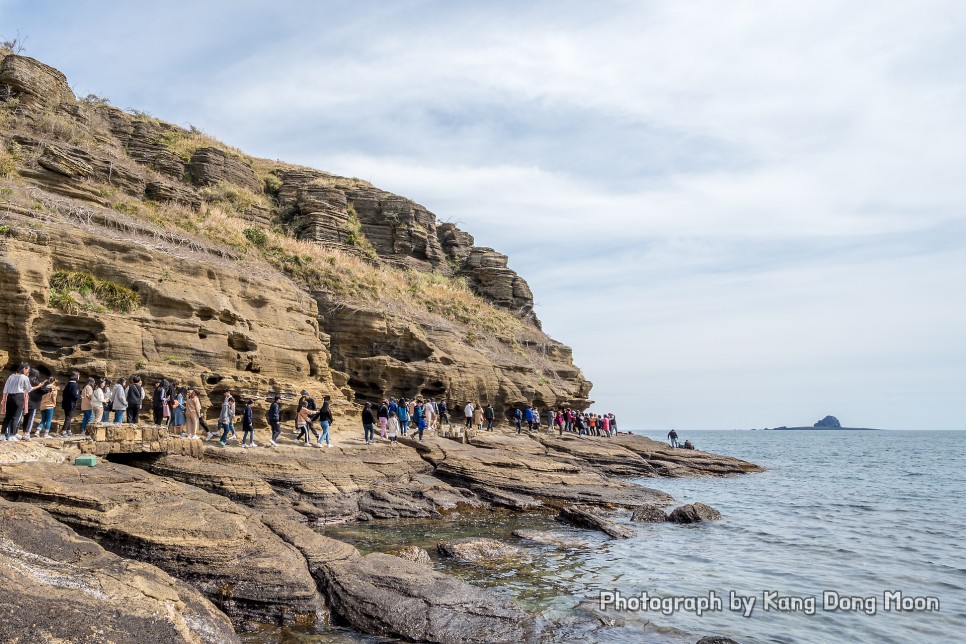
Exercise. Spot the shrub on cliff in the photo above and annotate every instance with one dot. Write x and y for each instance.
(92, 292)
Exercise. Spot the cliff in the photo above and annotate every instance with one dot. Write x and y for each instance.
(131, 245)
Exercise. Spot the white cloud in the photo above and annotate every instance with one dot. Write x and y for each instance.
(753, 192)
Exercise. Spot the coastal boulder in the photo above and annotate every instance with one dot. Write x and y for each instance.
(649, 514)
(587, 518)
(385, 595)
(477, 549)
(414, 554)
(220, 548)
(61, 587)
(694, 513)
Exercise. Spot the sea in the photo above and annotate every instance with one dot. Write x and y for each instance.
(847, 536)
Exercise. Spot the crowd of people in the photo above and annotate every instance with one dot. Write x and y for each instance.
(29, 401)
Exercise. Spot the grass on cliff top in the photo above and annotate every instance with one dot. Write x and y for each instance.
(75, 291)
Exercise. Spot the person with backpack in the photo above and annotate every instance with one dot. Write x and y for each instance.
(419, 418)
(135, 396)
(68, 402)
(518, 419)
(275, 420)
(383, 415)
(402, 413)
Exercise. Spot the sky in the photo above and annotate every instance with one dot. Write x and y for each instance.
(739, 214)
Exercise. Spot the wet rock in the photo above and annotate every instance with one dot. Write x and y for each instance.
(693, 513)
(385, 595)
(587, 518)
(552, 480)
(220, 548)
(477, 549)
(61, 587)
(541, 536)
(414, 554)
(649, 514)
(716, 639)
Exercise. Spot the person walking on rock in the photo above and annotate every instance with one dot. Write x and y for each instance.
(325, 421)
(478, 417)
(301, 425)
(673, 438)
(135, 396)
(226, 419)
(119, 401)
(87, 404)
(157, 402)
(368, 424)
(489, 416)
(37, 392)
(248, 425)
(402, 413)
(47, 405)
(192, 414)
(14, 401)
(419, 418)
(393, 430)
(275, 420)
(98, 400)
(383, 415)
(68, 402)
(468, 412)
(178, 417)
(518, 420)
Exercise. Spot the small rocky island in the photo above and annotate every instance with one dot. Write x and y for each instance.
(829, 422)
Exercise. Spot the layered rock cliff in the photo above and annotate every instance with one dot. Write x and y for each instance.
(243, 273)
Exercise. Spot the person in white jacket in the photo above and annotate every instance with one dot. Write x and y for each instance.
(119, 400)
(468, 412)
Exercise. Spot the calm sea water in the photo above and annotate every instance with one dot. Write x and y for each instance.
(857, 513)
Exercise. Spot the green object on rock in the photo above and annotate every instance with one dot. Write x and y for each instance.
(87, 460)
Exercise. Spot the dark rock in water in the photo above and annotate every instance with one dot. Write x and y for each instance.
(477, 549)
(716, 639)
(828, 421)
(694, 513)
(585, 518)
(414, 554)
(61, 587)
(385, 595)
(649, 514)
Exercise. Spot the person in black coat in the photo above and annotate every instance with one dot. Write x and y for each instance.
(275, 420)
(69, 402)
(368, 423)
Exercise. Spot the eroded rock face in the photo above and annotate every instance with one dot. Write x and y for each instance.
(200, 323)
(386, 595)
(477, 549)
(218, 547)
(210, 166)
(693, 513)
(33, 82)
(59, 586)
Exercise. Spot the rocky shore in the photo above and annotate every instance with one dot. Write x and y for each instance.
(192, 549)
